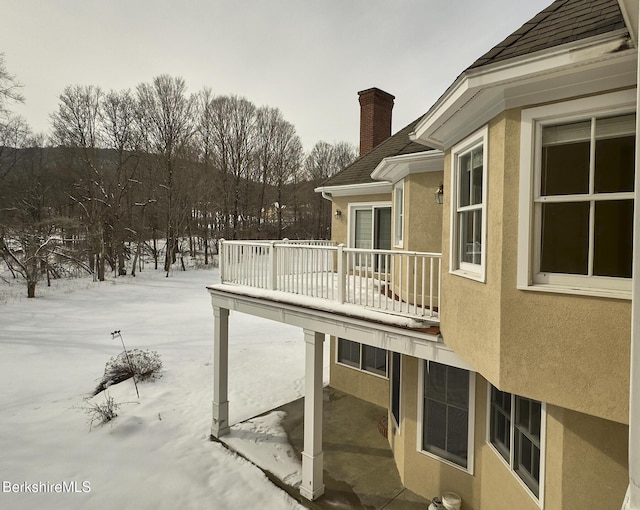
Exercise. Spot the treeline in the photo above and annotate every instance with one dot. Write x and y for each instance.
(154, 167)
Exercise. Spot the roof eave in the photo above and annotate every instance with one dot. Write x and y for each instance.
(481, 93)
(344, 190)
(395, 168)
(630, 13)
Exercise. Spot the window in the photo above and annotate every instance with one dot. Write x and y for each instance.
(516, 431)
(398, 213)
(395, 388)
(370, 226)
(447, 422)
(468, 228)
(363, 357)
(576, 202)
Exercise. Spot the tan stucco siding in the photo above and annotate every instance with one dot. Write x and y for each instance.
(340, 226)
(423, 216)
(369, 387)
(568, 350)
(585, 458)
(586, 461)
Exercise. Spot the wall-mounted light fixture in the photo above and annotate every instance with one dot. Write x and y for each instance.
(338, 213)
(440, 194)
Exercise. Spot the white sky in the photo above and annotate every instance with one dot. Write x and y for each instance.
(307, 58)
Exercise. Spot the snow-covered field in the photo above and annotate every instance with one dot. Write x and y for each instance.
(156, 453)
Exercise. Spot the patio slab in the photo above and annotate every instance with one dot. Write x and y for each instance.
(359, 470)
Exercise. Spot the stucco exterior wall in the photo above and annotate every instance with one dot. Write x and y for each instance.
(339, 226)
(363, 385)
(423, 216)
(541, 345)
(585, 459)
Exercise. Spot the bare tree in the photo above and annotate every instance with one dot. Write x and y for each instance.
(279, 156)
(76, 126)
(324, 161)
(233, 123)
(167, 118)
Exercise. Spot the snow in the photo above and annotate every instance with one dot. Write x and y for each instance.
(156, 453)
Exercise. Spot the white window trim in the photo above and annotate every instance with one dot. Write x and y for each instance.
(398, 215)
(353, 206)
(359, 368)
(539, 500)
(532, 121)
(390, 374)
(472, 271)
(470, 425)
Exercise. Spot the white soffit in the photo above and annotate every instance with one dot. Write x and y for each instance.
(581, 68)
(395, 168)
(346, 190)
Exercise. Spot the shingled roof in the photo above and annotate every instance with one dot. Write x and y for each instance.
(359, 172)
(564, 21)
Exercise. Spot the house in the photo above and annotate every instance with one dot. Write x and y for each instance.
(479, 281)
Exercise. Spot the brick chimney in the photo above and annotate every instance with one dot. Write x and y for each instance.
(375, 118)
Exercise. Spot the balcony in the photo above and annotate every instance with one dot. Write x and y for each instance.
(398, 286)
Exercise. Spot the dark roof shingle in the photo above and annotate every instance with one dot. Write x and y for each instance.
(564, 21)
(359, 172)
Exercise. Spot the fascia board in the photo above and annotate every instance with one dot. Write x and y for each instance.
(600, 50)
(630, 14)
(367, 188)
(395, 168)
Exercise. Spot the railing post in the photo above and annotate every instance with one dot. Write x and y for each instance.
(342, 277)
(221, 265)
(272, 283)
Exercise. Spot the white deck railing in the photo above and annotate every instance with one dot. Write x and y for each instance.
(397, 282)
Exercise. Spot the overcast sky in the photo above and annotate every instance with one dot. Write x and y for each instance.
(307, 58)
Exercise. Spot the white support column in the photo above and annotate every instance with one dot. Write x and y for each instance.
(632, 498)
(220, 421)
(312, 486)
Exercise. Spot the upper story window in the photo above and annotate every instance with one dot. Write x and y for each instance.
(468, 218)
(577, 180)
(398, 214)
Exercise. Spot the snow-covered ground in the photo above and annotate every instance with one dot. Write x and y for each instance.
(156, 453)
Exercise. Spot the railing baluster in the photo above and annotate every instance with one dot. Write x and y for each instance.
(386, 280)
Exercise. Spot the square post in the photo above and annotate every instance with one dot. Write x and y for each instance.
(312, 486)
(220, 406)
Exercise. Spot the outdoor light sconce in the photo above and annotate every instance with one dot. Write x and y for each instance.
(440, 194)
(338, 214)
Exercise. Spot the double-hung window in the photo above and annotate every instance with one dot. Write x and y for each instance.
(516, 427)
(363, 357)
(447, 413)
(398, 214)
(577, 188)
(468, 215)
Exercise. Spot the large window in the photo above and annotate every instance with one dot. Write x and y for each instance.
(398, 213)
(515, 430)
(577, 198)
(447, 413)
(468, 232)
(363, 357)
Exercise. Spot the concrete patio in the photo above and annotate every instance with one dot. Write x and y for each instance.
(359, 470)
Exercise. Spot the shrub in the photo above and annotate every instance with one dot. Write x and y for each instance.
(141, 364)
(101, 413)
